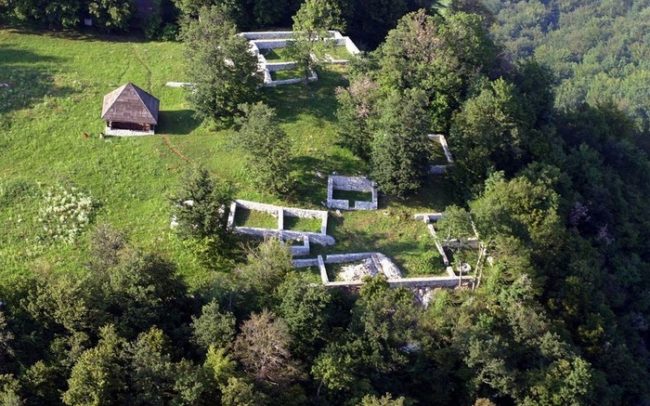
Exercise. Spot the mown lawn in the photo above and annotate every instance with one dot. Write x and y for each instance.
(49, 135)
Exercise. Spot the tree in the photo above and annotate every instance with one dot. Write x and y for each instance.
(151, 370)
(400, 150)
(6, 338)
(262, 346)
(99, 376)
(304, 308)
(143, 291)
(238, 392)
(220, 66)
(10, 391)
(441, 57)
(520, 208)
(213, 327)
(455, 223)
(356, 109)
(310, 27)
(62, 13)
(192, 8)
(267, 147)
(265, 269)
(111, 15)
(386, 400)
(201, 208)
(489, 133)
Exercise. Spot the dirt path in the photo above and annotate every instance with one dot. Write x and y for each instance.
(144, 65)
(173, 149)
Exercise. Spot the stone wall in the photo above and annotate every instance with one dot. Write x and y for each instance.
(301, 250)
(280, 39)
(280, 212)
(441, 169)
(351, 183)
(449, 281)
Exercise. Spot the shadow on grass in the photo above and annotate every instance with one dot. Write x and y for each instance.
(25, 78)
(80, 34)
(317, 98)
(436, 194)
(311, 182)
(177, 122)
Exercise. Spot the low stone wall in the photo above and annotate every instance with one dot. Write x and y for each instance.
(271, 43)
(301, 250)
(342, 258)
(433, 281)
(441, 169)
(126, 133)
(262, 35)
(281, 39)
(280, 212)
(276, 66)
(449, 281)
(179, 84)
(428, 217)
(439, 138)
(304, 263)
(286, 234)
(351, 183)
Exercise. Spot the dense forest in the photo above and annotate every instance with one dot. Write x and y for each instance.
(599, 50)
(545, 106)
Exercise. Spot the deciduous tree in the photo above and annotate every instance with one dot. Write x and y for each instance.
(310, 26)
(262, 346)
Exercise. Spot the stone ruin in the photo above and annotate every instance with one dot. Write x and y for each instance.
(355, 184)
(262, 40)
(280, 232)
(364, 264)
(372, 264)
(440, 169)
(442, 245)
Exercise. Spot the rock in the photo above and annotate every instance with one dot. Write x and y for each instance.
(357, 271)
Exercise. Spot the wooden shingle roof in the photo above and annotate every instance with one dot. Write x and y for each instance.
(130, 104)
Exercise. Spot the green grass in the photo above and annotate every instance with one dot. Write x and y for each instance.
(49, 134)
(276, 55)
(253, 218)
(286, 74)
(466, 255)
(302, 224)
(336, 52)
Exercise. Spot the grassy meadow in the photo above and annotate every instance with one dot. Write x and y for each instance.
(49, 135)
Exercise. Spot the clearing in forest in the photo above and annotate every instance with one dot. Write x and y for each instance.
(49, 120)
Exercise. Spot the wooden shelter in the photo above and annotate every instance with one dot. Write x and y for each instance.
(129, 110)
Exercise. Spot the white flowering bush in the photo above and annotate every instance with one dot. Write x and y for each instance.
(65, 213)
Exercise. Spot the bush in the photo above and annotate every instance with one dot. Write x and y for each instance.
(169, 32)
(106, 244)
(65, 213)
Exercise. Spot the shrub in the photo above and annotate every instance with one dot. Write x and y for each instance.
(105, 246)
(65, 213)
